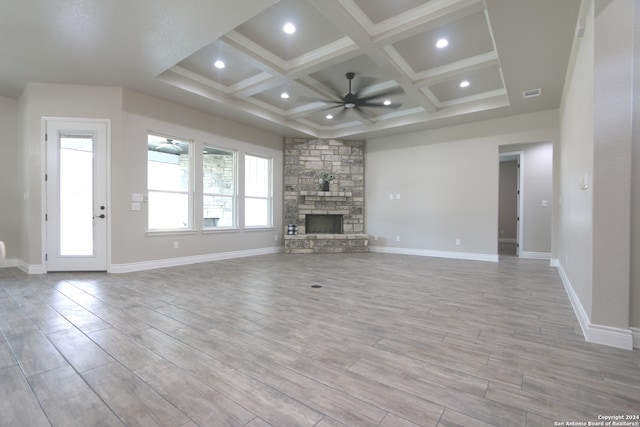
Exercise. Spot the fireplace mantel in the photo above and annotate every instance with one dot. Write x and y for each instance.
(327, 193)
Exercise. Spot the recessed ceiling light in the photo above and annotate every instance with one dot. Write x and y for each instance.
(464, 83)
(289, 28)
(329, 117)
(442, 43)
(219, 64)
(284, 95)
(387, 102)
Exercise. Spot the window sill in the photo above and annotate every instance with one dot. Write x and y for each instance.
(260, 228)
(171, 232)
(220, 230)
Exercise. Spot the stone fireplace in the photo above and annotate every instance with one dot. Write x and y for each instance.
(327, 221)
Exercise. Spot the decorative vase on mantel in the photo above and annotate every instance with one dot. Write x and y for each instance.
(325, 185)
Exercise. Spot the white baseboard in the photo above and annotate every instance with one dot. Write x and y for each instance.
(635, 333)
(534, 255)
(598, 334)
(174, 262)
(31, 268)
(554, 262)
(437, 254)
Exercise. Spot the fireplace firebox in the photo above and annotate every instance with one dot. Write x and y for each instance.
(323, 224)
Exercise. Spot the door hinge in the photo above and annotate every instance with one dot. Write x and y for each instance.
(46, 137)
(46, 177)
(46, 257)
(518, 219)
(46, 217)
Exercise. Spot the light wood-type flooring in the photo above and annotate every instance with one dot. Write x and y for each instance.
(387, 340)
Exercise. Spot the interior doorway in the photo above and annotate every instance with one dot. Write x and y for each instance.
(509, 200)
(76, 218)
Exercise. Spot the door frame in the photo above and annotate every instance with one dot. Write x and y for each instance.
(519, 157)
(43, 171)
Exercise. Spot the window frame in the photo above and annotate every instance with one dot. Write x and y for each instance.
(268, 198)
(190, 192)
(233, 195)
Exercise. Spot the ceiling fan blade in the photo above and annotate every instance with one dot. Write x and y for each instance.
(363, 113)
(340, 114)
(383, 94)
(338, 93)
(362, 83)
(392, 106)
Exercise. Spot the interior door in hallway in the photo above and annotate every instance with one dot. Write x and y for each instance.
(76, 195)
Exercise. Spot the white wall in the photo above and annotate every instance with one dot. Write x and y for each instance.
(448, 185)
(9, 191)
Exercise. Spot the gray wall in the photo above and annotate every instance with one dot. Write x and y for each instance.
(634, 301)
(597, 224)
(448, 183)
(508, 201)
(132, 115)
(536, 188)
(9, 191)
(131, 242)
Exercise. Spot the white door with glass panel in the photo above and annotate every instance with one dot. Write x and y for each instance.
(76, 186)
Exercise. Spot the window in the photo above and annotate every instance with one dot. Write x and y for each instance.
(218, 188)
(169, 183)
(257, 191)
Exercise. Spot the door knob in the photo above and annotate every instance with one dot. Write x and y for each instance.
(99, 216)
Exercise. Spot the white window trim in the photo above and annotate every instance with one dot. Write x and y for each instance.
(269, 198)
(234, 195)
(190, 229)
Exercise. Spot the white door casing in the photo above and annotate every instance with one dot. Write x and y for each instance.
(77, 211)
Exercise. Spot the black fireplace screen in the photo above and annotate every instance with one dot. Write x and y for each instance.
(323, 224)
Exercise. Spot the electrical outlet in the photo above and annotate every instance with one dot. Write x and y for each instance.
(397, 238)
(275, 237)
(176, 245)
(390, 196)
(375, 237)
(458, 242)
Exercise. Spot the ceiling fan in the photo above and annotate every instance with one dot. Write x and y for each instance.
(168, 146)
(351, 101)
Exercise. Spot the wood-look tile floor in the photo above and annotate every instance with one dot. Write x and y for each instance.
(387, 340)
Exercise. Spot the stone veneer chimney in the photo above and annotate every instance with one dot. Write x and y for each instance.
(304, 162)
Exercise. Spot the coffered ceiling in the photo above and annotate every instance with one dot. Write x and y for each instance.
(501, 48)
(391, 47)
